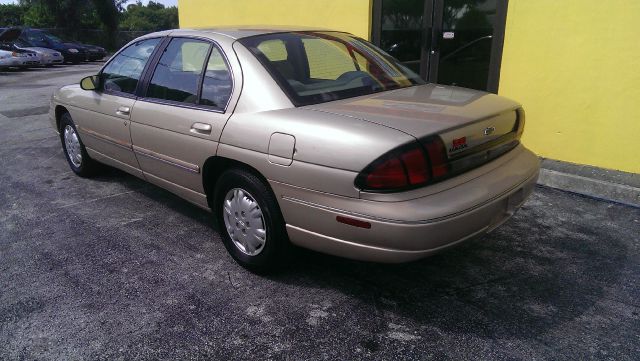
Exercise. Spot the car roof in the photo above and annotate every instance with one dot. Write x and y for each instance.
(239, 32)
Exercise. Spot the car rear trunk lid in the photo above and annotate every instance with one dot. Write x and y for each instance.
(475, 127)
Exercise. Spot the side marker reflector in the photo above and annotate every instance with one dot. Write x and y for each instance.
(353, 222)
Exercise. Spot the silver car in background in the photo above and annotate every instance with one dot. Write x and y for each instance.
(18, 59)
(14, 56)
(48, 57)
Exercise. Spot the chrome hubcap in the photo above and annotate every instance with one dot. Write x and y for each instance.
(72, 143)
(244, 221)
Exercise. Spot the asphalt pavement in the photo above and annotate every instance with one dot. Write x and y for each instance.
(113, 268)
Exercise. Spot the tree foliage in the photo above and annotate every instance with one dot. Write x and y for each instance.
(152, 17)
(11, 15)
(76, 15)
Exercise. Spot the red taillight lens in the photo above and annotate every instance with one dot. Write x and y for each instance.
(438, 156)
(416, 165)
(407, 167)
(403, 168)
(387, 174)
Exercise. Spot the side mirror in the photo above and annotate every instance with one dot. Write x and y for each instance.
(90, 82)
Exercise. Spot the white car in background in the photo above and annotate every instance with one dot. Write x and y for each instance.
(13, 56)
(5, 59)
(48, 57)
(18, 59)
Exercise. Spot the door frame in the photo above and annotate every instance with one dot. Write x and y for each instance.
(432, 32)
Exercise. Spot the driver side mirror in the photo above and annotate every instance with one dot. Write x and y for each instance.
(90, 83)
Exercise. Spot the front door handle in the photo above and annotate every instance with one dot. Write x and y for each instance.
(123, 111)
(201, 128)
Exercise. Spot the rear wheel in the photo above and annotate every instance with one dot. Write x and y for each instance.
(252, 226)
(74, 150)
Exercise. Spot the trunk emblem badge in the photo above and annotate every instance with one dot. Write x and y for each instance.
(489, 130)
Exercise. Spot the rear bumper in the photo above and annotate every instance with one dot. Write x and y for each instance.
(421, 226)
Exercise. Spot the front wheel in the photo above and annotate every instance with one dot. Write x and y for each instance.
(74, 150)
(253, 229)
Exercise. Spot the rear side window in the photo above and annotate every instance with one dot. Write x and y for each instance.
(177, 75)
(217, 84)
(123, 72)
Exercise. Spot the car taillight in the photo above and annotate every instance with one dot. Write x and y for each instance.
(437, 155)
(410, 166)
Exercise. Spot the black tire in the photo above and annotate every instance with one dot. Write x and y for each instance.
(273, 254)
(87, 167)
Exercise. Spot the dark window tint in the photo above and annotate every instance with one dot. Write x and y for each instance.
(216, 85)
(177, 75)
(123, 72)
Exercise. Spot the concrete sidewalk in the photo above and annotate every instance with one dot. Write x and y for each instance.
(594, 182)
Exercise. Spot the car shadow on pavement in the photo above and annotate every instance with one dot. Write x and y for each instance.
(159, 195)
(543, 268)
(530, 275)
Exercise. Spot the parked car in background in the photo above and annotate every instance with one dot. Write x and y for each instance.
(94, 53)
(5, 59)
(72, 52)
(48, 57)
(14, 56)
(9, 40)
(316, 138)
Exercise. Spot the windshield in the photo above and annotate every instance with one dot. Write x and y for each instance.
(317, 67)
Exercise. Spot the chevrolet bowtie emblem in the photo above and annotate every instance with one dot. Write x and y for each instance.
(489, 130)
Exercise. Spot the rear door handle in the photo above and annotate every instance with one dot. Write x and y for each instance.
(123, 111)
(201, 128)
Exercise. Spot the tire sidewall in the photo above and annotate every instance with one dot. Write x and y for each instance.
(83, 169)
(276, 242)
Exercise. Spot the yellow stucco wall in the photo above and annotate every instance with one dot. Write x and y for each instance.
(353, 16)
(575, 66)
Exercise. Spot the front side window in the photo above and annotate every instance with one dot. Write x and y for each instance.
(177, 75)
(316, 67)
(123, 72)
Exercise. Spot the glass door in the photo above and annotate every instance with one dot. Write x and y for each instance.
(453, 42)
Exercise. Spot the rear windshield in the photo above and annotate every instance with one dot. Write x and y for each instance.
(317, 67)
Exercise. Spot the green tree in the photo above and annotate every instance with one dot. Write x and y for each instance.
(109, 15)
(11, 14)
(152, 17)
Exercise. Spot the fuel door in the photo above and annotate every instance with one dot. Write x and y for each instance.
(281, 148)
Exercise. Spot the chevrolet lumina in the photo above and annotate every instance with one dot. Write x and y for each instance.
(312, 138)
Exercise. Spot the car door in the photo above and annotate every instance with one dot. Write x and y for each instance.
(176, 126)
(103, 117)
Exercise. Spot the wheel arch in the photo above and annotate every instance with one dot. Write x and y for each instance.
(215, 166)
(59, 111)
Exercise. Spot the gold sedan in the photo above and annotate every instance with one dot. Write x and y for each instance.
(311, 138)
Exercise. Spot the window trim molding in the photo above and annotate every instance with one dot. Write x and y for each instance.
(142, 96)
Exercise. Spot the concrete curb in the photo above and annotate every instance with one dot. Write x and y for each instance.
(592, 187)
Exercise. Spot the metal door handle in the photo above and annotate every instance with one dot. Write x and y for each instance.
(123, 111)
(201, 128)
